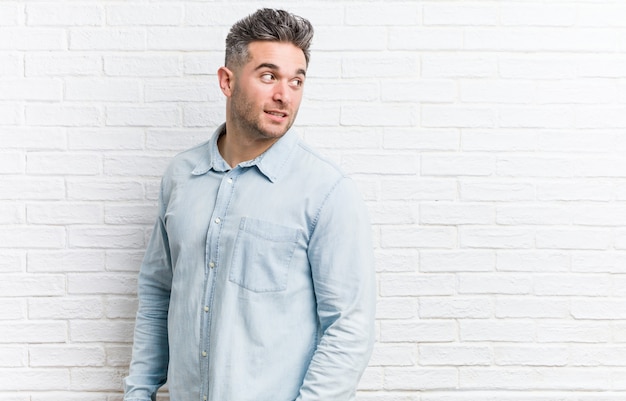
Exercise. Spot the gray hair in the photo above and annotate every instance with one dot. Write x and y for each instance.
(267, 24)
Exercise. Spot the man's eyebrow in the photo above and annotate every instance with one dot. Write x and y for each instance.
(271, 66)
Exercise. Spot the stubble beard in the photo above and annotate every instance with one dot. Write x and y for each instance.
(242, 114)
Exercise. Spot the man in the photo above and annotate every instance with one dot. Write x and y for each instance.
(257, 283)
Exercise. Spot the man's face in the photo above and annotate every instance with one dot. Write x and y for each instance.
(267, 90)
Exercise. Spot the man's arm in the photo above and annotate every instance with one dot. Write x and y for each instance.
(148, 369)
(341, 257)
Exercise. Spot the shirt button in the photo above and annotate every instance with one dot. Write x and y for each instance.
(211, 265)
(204, 398)
(203, 353)
(217, 220)
(230, 181)
(206, 308)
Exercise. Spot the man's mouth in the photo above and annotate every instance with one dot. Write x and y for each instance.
(277, 114)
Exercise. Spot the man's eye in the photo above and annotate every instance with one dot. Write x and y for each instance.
(267, 77)
(297, 82)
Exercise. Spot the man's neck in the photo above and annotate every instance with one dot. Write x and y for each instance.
(236, 148)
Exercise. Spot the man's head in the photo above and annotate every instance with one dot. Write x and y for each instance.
(267, 55)
(267, 25)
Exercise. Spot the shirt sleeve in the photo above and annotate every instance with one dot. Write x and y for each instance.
(148, 368)
(341, 257)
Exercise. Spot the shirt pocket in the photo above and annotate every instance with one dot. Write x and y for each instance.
(262, 255)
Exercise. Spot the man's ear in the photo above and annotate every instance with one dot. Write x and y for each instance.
(225, 78)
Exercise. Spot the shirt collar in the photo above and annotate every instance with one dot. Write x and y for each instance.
(271, 163)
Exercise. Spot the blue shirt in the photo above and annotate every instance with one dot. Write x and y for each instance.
(257, 283)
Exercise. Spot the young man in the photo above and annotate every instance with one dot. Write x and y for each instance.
(258, 281)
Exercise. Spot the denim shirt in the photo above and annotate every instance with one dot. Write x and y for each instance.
(257, 283)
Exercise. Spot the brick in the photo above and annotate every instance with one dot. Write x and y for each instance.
(52, 138)
(10, 114)
(133, 165)
(396, 308)
(389, 14)
(142, 65)
(109, 90)
(442, 213)
(454, 355)
(59, 163)
(532, 213)
(66, 116)
(426, 91)
(61, 64)
(499, 140)
(105, 189)
(496, 237)
(101, 331)
(106, 139)
(72, 15)
(402, 285)
(497, 190)
(416, 38)
(13, 188)
(410, 138)
(23, 379)
(458, 66)
(457, 165)
(572, 284)
(185, 39)
(62, 355)
(338, 91)
(496, 331)
(386, 114)
(12, 309)
(199, 115)
(598, 309)
(12, 261)
(21, 38)
(431, 261)
(130, 214)
(420, 237)
(13, 357)
(370, 164)
(9, 14)
(598, 262)
(36, 285)
(572, 332)
(423, 332)
(518, 355)
(396, 260)
(66, 261)
(10, 64)
(30, 237)
(33, 332)
(421, 379)
(457, 307)
(393, 355)
(539, 15)
(106, 237)
(317, 114)
(205, 63)
(439, 116)
(12, 162)
(118, 307)
(419, 189)
(365, 65)
(138, 116)
(498, 283)
(351, 37)
(216, 14)
(576, 238)
(497, 91)
(107, 39)
(537, 117)
(90, 379)
(453, 14)
(139, 14)
(30, 89)
(575, 190)
(393, 213)
(535, 308)
(182, 91)
(118, 355)
(333, 138)
(65, 308)
(533, 260)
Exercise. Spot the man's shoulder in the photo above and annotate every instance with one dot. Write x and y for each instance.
(315, 161)
(184, 162)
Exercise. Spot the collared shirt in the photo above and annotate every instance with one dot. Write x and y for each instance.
(257, 283)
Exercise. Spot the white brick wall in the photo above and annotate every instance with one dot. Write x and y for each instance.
(488, 138)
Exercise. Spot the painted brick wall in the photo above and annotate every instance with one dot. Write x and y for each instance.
(488, 138)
